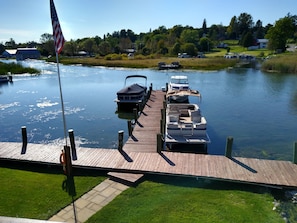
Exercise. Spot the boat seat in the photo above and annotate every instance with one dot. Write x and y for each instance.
(173, 118)
(196, 116)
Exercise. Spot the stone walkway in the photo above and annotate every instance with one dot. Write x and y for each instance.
(90, 203)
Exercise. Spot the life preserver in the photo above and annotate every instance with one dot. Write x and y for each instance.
(63, 161)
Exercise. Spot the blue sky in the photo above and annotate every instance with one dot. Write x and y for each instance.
(27, 20)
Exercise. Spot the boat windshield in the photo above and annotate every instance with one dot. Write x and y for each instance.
(179, 80)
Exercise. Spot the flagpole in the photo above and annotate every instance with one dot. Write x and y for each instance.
(61, 97)
(59, 43)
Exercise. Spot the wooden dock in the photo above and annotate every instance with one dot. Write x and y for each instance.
(140, 156)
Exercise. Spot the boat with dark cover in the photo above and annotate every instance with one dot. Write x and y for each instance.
(133, 95)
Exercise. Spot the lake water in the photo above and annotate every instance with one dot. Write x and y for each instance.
(258, 110)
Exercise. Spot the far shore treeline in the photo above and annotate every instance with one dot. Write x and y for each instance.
(115, 49)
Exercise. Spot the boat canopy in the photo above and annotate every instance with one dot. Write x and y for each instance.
(133, 89)
(183, 93)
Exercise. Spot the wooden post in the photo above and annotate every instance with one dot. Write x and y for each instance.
(68, 161)
(120, 139)
(228, 149)
(130, 129)
(159, 142)
(161, 126)
(24, 139)
(135, 114)
(72, 144)
(166, 87)
(295, 153)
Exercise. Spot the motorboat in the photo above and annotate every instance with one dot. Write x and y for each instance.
(164, 66)
(185, 125)
(178, 89)
(5, 79)
(132, 95)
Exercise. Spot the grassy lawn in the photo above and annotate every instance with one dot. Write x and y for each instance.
(173, 199)
(38, 195)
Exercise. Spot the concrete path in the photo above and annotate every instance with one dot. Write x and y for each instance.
(90, 203)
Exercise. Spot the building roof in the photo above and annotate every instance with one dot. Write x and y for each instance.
(11, 52)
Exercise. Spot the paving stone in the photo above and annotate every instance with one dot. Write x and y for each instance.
(108, 191)
(81, 203)
(98, 199)
(95, 207)
(84, 214)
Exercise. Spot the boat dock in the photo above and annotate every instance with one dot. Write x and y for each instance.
(139, 155)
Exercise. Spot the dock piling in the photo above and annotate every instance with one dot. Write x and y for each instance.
(130, 128)
(159, 142)
(120, 140)
(72, 144)
(295, 153)
(228, 149)
(24, 139)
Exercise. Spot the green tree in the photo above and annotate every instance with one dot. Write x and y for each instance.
(245, 23)
(259, 30)
(205, 44)
(248, 40)
(204, 27)
(190, 36)
(189, 48)
(232, 29)
(10, 44)
(278, 35)
(70, 48)
(176, 49)
(104, 48)
(47, 46)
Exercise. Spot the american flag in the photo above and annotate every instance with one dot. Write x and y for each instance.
(57, 31)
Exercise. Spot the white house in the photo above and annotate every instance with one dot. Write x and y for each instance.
(262, 43)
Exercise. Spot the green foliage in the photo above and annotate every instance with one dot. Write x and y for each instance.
(14, 68)
(279, 34)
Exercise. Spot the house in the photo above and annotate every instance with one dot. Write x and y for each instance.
(9, 53)
(262, 43)
(259, 44)
(27, 53)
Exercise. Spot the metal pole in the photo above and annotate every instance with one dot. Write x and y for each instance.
(61, 97)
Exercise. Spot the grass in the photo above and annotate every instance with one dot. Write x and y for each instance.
(212, 63)
(283, 63)
(14, 68)
(38, 195)
(172, 199)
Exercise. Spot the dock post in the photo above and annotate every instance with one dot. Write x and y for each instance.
(135, 114)
(25, 139)
(120, 139)
(130, 128)
(72, 144)
(295, 153)
(161, 126)
(68, 161)
(159, 142)
(228, 149)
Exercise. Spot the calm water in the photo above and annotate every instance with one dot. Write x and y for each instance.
(259, 110)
